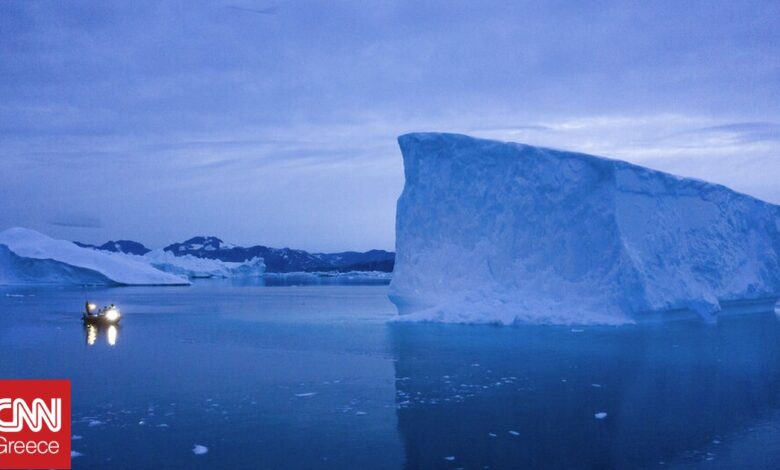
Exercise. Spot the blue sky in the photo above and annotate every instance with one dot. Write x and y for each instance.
(275, 122)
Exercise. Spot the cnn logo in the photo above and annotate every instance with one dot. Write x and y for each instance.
(34, 424)
(34, 416)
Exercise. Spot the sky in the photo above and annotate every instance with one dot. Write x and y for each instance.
(275, 122)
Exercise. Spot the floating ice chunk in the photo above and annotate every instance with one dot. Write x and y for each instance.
(600, 415)
(141, 423)
(95, 422)
(492, 434)
(76, 437)
(162, 425)
(198, 449)
(74, 454)
(514, 433)
(361, 413)
(306, 394)
(449, 458)
(595, 385)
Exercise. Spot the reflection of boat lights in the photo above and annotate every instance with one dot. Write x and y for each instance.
(111, 334)
(92, 333)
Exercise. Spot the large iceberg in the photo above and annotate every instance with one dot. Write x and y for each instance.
(27, 256)
(490, 231)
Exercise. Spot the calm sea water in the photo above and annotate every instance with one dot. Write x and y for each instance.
(316, 377)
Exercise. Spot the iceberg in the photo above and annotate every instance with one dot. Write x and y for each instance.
(498, 232)
(328, 278)
(202, 268)
(17, 270)
(29, 257)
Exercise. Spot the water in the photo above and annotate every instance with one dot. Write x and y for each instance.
(315, 377)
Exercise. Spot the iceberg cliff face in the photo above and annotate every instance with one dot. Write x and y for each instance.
(489, 231)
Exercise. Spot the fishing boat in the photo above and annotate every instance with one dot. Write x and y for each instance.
(108, 315)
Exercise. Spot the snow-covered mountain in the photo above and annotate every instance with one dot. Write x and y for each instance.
(499, 232)
(27, 256)
(276, 260)
(284, 260)
(198, 245)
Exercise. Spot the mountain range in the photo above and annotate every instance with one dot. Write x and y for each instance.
(277, 260)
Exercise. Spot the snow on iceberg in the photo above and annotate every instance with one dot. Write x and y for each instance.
(27, 256)
(194, 267)
(489, 231)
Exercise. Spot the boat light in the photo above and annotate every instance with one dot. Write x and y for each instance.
(112, 314)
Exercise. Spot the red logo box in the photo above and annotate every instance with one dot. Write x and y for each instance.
(34, 424)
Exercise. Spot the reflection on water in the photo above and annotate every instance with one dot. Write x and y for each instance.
(111, 334)
(93, 332)
(476, 396)
(313, 377)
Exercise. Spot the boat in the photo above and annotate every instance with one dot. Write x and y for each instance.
(108, 315)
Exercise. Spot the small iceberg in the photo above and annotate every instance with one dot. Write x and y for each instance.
(600, 415)
(198, 449)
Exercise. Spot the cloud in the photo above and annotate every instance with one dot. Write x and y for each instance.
(272, 10)
(76, 221)
(744, 131)
(201, 120)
